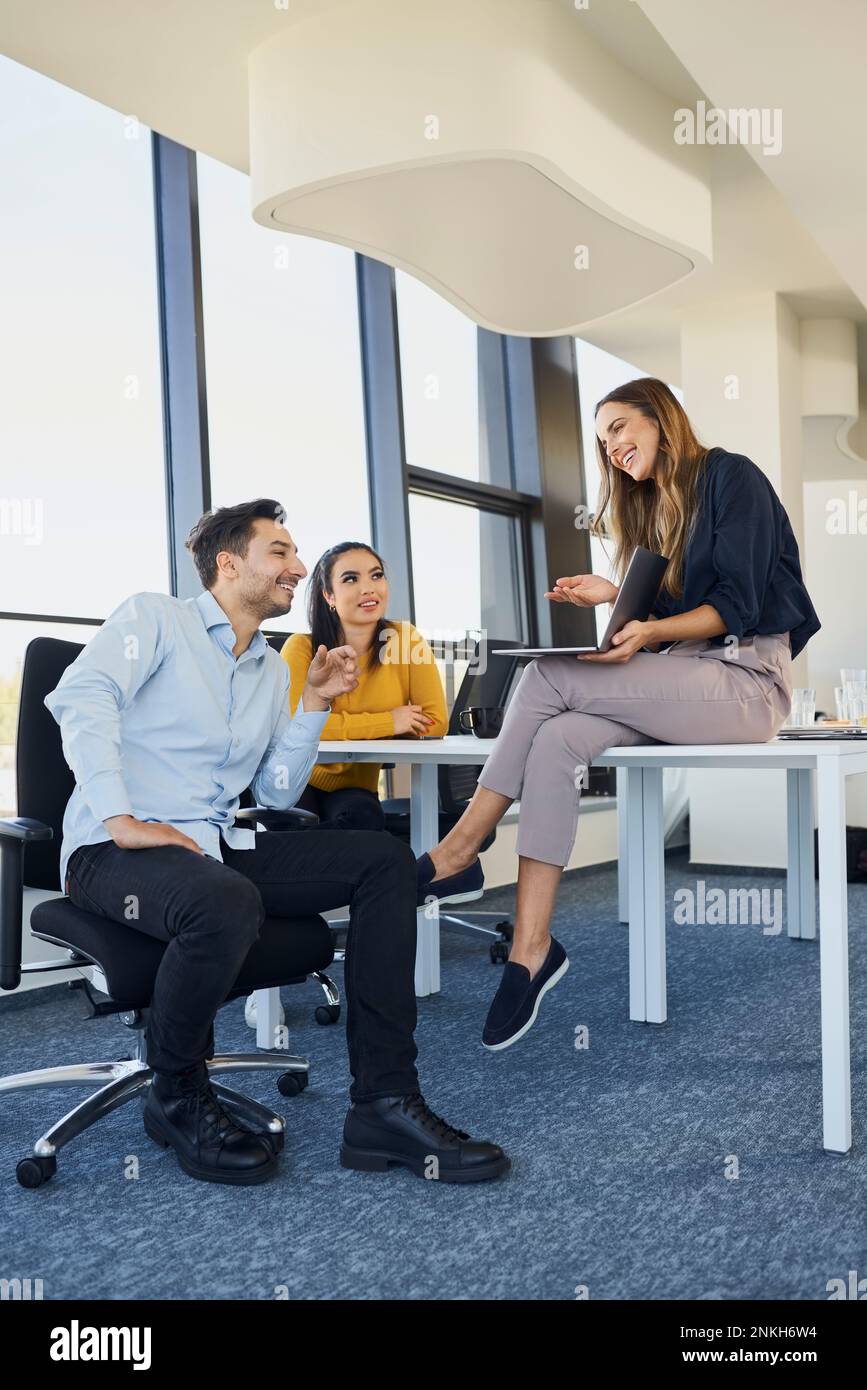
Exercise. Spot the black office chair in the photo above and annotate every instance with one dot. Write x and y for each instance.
(457, 782)
(119, 964)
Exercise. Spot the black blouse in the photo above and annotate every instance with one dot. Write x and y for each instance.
(742, 557)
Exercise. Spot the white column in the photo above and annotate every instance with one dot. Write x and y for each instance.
(741, 382)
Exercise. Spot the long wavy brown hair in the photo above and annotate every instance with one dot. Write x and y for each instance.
(658, 512)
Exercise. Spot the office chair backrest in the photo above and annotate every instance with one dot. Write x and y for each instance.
(44, 781)
(484, 688)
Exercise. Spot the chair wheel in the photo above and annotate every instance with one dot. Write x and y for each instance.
(327, 1013)
(33, 1172)
(506, 930)
(275, 1140)
(292, 1083)
(499, 952)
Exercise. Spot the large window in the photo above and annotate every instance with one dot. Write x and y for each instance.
(82, 492)
(440, 380)
(282, 357)
(467, 569)
(82, 497)
(466, 539)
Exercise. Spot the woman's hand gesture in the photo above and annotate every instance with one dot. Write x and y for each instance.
(584, 590)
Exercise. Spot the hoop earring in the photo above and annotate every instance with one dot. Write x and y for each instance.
(332, 607)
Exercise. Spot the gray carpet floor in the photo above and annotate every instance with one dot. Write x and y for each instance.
(624, 1151)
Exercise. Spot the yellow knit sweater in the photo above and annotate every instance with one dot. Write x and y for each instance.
(408, 676)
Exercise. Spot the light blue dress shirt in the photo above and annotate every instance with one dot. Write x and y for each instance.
(159, 721)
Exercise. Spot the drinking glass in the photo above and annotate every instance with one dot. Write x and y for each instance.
(803, 708)
(856, 701)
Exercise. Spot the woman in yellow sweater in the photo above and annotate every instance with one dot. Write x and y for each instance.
(399, 690)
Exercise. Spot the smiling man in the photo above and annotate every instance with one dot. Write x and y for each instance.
(172, 710)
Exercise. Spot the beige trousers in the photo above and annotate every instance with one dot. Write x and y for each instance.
(565, 712)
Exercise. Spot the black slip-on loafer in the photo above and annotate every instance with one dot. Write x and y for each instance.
(516, 1003)
(457, 888)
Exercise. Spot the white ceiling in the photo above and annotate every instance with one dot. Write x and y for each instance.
(807, 61)
(796, 224)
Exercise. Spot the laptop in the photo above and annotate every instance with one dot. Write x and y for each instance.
(855, 731)
(634, 603)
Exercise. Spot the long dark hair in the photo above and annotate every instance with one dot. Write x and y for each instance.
(325, 626)
(657, 514)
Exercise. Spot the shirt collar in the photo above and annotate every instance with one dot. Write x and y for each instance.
(213, 616)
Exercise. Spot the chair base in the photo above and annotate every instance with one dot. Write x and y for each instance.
(499, 936)
(130, 1077)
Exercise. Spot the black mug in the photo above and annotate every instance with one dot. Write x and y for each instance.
(484, 722)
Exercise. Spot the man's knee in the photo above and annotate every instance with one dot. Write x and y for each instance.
(384, 850)
(232, 904)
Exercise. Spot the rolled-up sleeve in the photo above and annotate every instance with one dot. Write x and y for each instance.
(285, 768)
(88, 700)
(746, 548)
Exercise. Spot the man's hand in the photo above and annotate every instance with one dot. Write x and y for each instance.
(331, 673)
(129, 833)
(625, 643)
(584, 590)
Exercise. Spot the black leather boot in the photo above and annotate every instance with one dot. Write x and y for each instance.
(183, 1113)
(403, 1129)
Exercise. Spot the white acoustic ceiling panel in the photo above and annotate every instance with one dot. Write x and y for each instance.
(494, 150)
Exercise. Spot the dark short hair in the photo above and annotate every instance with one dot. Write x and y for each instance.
(228, 528)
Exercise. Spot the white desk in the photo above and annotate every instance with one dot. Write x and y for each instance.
(642, 867)
(423, 755)
(832, 763)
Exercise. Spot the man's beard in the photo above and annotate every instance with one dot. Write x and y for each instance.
(262, 603)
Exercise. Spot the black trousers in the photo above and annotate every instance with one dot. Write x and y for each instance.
(211, 913)
(347, 808)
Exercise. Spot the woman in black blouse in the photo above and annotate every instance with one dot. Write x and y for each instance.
(712, 664)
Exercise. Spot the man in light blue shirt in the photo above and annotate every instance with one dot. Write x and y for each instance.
(173, 709)
(140, 752)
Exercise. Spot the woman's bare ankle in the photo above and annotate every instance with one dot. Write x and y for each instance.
(532, 954)
(450, 859)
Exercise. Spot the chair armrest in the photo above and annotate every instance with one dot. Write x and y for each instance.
(15, 832)
(24, 828)
(296, 818)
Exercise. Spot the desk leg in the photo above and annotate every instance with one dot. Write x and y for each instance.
(834, 957)
(622, 844)
(654, 893)
(800, 882)
(635, 878)
(646, 878)
(268, 1017)
(424, 833)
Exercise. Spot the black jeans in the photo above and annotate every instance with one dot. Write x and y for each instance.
(347, 808)
(211, 913)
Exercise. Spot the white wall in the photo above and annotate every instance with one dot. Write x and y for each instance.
(742, 390)
(837, 569)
